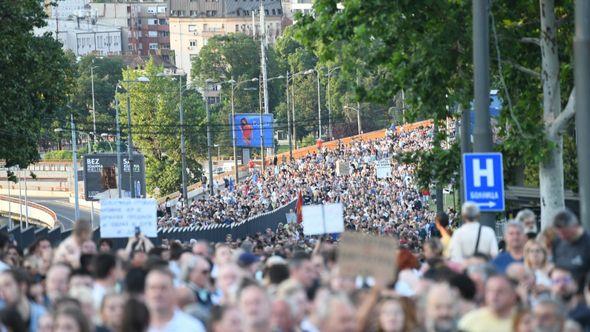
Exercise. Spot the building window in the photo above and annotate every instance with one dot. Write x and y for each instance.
(279, 11)
(192, 28)
(192, 43)
(152, 33)
(163, 22)
(237, 27)
(153, 46)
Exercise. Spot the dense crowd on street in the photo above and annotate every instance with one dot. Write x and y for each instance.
(367, 199)
(458, 280)
(452, 272)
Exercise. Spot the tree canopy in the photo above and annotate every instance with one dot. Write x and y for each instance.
(35, 80)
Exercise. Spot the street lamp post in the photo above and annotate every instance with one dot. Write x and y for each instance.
(288, 118)
(319, 101)
(141, 79)
(207, 82)
(234, 86)
(93, 104)
(118, 144)
(328, 101)
(182, 139)
(75, 167)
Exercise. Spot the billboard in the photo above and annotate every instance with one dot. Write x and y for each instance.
(248, 132)
(100, 176)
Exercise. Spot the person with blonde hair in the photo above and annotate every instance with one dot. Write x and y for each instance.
(536, 260)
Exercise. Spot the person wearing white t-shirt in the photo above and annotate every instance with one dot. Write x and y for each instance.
(160, 300)
(472, 237)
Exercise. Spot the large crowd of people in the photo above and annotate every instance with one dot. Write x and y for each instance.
(452, 272)
(278, 281)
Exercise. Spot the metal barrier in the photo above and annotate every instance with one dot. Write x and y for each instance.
(38, 214)
(211, 233)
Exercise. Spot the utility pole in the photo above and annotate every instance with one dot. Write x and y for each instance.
(10, 224)
(208, 110)
(119, 162)
(75, 167)
(182, 145)
(582, 105)
(130, 145)
(438, 186)
(233, 132)
(93, 105)
(358, 111)
(263, 43)
(481, 61)
(293, 112)
(465, 143)
(288, 118)
(319, 107)
(26, 201)
(20, 198)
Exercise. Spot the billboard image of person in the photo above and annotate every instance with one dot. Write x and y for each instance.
(248, 131)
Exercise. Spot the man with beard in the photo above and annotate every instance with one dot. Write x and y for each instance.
(564, 288)
(442, 311)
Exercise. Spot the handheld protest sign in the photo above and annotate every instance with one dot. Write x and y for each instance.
(367, 255)
(121, 218)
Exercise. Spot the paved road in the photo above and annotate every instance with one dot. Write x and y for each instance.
(65, 210)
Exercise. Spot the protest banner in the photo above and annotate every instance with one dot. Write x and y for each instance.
(323, 219)
(121, 217)
(342, 168)
(367, 255)
(383, 169)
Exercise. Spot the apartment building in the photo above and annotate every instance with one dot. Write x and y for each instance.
(83, 37)
(144, 24)
(193, 22)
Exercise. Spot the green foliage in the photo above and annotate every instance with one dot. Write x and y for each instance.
(58, 155)
(107, 73)
(156, 131)
(308, 140)
(35, 79)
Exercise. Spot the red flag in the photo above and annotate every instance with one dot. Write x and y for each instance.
(299, 208)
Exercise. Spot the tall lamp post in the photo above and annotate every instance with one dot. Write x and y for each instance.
(182, 139)
(74, 166)
(328, 100)
(234, 86)
(141, 79)
(310, 71)
(292, 78)
(207, 86)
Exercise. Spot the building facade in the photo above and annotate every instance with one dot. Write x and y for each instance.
(65, 9)
(144, 25)
(83, 37)
(193, 22)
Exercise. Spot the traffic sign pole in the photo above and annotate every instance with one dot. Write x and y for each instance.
(482, 136)
(483, 180)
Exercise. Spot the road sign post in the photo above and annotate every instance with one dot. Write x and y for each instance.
(483, 180)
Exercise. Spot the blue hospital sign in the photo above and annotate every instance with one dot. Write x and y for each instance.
(483, 180)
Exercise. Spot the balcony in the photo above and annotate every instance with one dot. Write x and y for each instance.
(210, 32)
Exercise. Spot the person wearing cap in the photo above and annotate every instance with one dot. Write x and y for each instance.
(472, 237)
(248, 262)
(571, 248)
